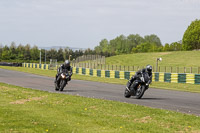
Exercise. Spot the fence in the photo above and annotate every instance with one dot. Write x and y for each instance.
(92, 58)
(165, 69)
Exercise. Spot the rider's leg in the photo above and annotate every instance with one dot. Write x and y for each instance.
(130, 83)
(56, 78)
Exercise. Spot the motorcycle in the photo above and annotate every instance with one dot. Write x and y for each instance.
(139, 86)
(62, 81)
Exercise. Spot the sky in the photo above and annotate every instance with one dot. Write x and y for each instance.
(84, 23)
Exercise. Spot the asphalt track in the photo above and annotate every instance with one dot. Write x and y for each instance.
(184, 102)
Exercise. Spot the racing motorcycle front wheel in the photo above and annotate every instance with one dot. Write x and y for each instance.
(140, 91)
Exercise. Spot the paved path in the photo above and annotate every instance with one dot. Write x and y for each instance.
(156, 98)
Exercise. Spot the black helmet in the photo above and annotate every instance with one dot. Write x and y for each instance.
(149, 68)
(67, 63)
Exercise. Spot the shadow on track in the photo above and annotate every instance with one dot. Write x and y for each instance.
(71, 91)
(152, 98)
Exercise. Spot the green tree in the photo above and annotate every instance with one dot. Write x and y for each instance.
(89, 52)
(20, 51)
(175, 46)
(191, 37)
(143, 47)
(52, 54)
(1, 50)
(104, 45)
(153, 48)
(5, 53)
(134, 40)
(13, 51)
(112, 47)
(97, 50)
(72, 54)
(121, 42)
(35, 53)
(66, 53)
(27, 53)
(43, 54)
(60, 55)
(167, 47)
(102, 48)
(153, 39)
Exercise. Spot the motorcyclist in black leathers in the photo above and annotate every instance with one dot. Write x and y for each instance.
(64, 67)
(148, 69)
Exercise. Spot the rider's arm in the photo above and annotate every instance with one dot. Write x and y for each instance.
(71, 70)
(61, 69)
(138, 73)
(150, 78)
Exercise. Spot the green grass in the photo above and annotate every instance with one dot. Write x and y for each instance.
(179, 59)
(159, 85)
(26, 110)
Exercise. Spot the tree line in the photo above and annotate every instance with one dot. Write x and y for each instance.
(21, 53)
(134, 43)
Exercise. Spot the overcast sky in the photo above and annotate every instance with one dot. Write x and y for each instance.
(84, 23)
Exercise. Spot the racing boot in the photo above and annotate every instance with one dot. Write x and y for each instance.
(55, 81)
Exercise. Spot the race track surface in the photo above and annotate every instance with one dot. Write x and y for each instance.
(164, 99)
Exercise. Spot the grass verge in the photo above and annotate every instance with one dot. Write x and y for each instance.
(27, 110)
(158, 85)
(175, 59)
